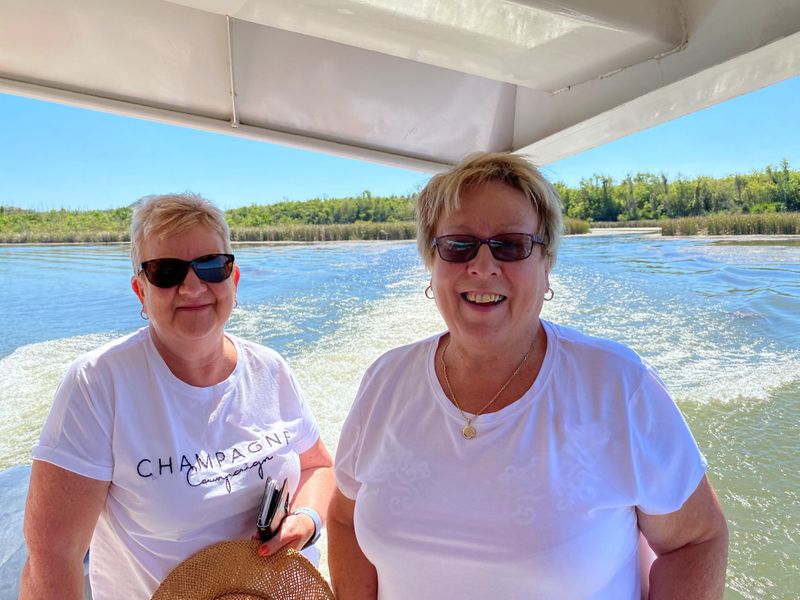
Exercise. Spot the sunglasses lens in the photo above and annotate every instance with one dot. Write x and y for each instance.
(214, 267)
(506, 247)
(169, 272)
(457, 248)
(165, 272)
(511, 246)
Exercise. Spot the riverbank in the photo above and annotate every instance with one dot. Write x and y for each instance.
(85, 228)
(46, 233)
(785, 223)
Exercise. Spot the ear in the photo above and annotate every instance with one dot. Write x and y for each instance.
(136, 286)
(236, 274)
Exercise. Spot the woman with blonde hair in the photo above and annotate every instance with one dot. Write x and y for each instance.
(511, 457)
(158, 443)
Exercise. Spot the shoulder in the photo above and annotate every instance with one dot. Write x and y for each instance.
(577, 345)
(593, 366)
(112, 354)
(253, 352)
(401, 372)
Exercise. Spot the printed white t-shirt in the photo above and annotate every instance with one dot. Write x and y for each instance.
(186, 464)
(541, 503)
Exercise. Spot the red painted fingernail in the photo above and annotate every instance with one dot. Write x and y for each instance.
(263, 551)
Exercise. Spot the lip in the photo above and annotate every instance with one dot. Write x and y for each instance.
(482, 305)
(193, 307)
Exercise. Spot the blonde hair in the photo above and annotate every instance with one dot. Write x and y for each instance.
(170, 214)
(442, 196)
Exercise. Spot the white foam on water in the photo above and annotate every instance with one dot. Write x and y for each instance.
(29, 377)
(331, 369)
(704, 355)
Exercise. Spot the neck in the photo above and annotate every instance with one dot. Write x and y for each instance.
(199, 364)
(500, 372)
(493, 356)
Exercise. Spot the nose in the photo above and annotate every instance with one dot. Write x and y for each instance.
(484, 262)
(192, 285)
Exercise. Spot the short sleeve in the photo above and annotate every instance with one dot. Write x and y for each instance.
(349, 448)
(667, 463)
(77, 433)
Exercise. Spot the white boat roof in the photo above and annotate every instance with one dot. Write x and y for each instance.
(413, 83)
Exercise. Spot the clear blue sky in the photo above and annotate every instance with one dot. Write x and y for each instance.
(56, 156)
(740, 135)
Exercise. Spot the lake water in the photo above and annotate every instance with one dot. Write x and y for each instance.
(721, 322)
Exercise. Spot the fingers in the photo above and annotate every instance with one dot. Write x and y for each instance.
(294, 532)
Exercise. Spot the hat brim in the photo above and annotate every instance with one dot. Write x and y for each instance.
(233, 570)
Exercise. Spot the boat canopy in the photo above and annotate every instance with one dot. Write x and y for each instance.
(412, 83)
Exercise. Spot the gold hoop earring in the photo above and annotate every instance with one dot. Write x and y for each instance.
(429, 292)
(551, 292)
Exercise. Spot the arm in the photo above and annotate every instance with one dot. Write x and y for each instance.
(314, 490)
(691, 546)
(60, 514)
(353, 576)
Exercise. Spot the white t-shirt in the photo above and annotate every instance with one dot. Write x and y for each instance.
(186, 464)
(541, 503)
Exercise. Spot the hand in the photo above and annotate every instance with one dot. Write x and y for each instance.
(295, 531)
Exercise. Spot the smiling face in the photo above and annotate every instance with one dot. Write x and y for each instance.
(486, 302)
(194, 311)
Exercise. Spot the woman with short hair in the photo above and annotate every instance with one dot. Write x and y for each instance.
(158, 443)
(511, 457)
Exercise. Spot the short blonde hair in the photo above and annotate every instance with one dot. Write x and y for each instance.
(442, 196)
(169, 214)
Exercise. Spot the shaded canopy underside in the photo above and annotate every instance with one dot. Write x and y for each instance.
(414, 83)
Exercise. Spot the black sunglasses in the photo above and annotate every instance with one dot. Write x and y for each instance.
(169, 272)
(506, 247)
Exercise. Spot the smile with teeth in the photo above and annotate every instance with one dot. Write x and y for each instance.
(483, 298)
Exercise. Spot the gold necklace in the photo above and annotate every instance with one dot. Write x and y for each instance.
(469, 430)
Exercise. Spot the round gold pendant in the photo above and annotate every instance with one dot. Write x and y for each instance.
(469, 431)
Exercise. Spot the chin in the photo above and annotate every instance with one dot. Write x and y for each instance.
(198, 332)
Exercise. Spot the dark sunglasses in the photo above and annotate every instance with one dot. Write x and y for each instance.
(506, 247)
(169, 272)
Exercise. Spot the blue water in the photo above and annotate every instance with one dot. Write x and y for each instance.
(67, 291)
(721, 322)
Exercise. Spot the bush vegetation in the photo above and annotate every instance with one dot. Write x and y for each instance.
(730, 224)
(761, 202)
(365, 217)
(649, 196)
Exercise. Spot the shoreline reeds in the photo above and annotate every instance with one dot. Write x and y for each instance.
(712, 225)
(290, 232)
(786, 223)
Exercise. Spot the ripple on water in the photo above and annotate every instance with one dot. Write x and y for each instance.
(755, 466)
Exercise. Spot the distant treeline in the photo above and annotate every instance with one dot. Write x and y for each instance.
(652, 196)
(365, 208)
(641, 199)
(363, 217)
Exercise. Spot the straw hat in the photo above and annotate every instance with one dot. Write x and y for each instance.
(234, 571)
